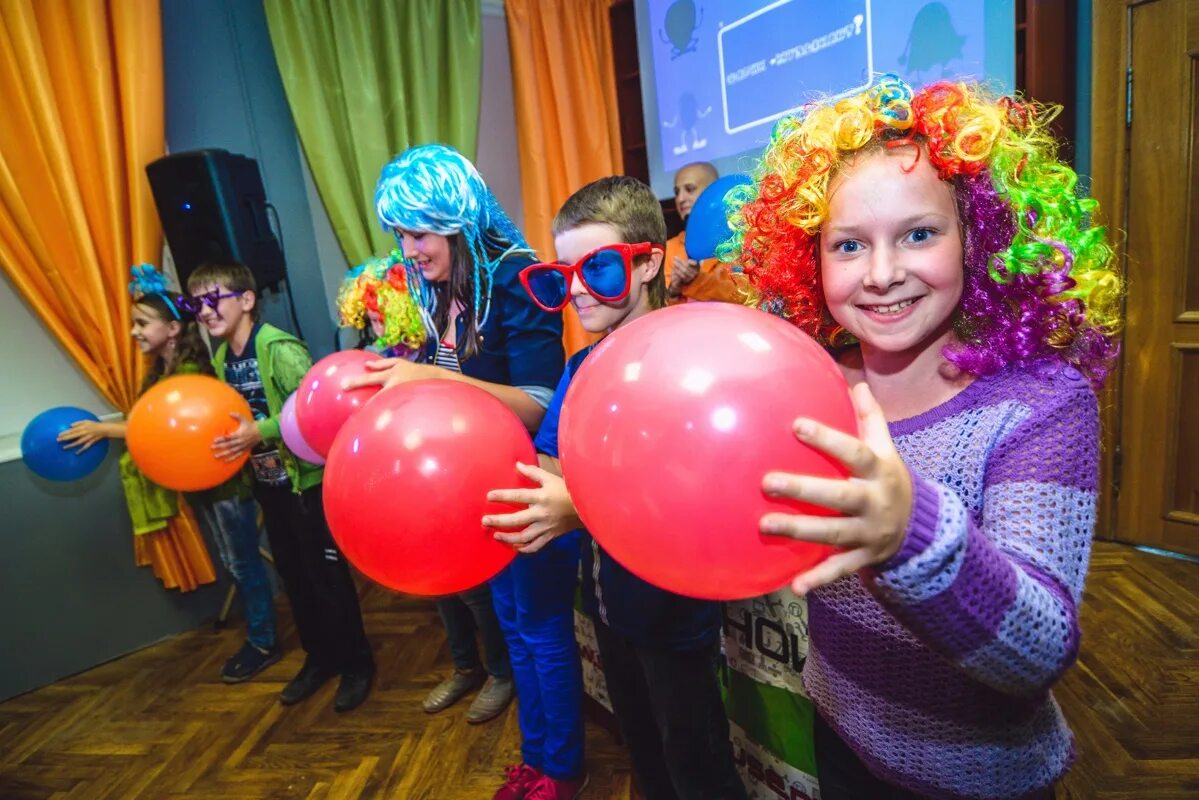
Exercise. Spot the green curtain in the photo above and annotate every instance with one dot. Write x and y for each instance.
(366, 79)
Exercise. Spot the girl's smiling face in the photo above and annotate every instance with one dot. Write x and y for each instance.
(891, 253)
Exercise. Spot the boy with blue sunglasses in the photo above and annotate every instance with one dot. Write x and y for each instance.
(659, 650)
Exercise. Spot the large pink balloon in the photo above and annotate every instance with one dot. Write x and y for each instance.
(668, 429)
(406, 485)
(289, 429)
(323, 403)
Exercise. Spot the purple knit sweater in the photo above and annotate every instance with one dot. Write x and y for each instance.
(936, 667)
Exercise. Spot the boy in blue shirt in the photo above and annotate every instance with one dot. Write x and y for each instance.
(659, 649)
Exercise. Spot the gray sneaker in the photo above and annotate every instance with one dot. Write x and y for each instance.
(493, 698)
(453, 689)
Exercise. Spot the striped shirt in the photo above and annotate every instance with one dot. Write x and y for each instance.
(447, 357)
(935, 667)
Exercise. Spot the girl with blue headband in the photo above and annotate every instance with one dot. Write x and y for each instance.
(164, 327)
(464, 255)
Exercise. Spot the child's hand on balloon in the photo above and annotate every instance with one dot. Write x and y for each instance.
(876, 501)
(388, 372)
(82, 435)
(245, 438)
(550, 512)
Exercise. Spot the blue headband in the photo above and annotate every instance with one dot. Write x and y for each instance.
(147, 281)
(435, 189)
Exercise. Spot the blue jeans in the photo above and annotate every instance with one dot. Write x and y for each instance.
(233, 525)
(534, 599)
(463, 614)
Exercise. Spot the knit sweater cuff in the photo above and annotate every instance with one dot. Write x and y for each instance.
(922, 524)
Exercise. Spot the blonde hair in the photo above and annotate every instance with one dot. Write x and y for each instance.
(629, 206)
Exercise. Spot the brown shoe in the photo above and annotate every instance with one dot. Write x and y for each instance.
(453, 689)
(493, 698)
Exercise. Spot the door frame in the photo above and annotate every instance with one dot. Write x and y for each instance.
(1110, 49)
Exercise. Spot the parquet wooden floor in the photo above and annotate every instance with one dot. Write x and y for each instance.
(159, 724)
(1133, 697)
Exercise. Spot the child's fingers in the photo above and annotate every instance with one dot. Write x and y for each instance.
(228, 448)
(534, 472)
(835, 531)
(845, 496)
(536, 544)
(514, 521)
(519, 538)
(833, 568)
(872, 424)
(516, 497)
(851, 451)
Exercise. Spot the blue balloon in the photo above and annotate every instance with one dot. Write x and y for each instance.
(708, 224)
(47, 457)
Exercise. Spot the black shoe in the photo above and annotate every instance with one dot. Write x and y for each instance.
(248, 662)
(307, 681)
(353, 689)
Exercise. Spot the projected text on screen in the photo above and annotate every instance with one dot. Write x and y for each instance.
(789, 43)
(717, 74)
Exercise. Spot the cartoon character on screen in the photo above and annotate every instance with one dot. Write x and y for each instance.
(682, 22)
(687, 120)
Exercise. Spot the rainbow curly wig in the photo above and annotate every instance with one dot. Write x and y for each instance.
(381, 286)
(1039, 280)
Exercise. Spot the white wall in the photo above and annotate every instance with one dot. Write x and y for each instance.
(497, 157)
(37, 373)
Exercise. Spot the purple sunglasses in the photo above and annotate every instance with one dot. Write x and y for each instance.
(193, 305)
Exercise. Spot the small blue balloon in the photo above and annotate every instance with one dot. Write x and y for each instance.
(708, 224)
(47, 457)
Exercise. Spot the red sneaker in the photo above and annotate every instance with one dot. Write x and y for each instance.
(549, 789)
(520, 778)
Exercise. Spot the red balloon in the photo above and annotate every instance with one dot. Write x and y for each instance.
(323, 404)
(668, 429)
(406, 485)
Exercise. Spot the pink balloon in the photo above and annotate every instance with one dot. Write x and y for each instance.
(323, 403)
(668, 429)
(290, 430)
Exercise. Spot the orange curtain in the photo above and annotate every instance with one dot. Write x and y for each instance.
(81, 114)
(567, 123)
(177, 555)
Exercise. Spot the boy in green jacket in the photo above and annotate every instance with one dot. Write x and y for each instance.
(266, 365)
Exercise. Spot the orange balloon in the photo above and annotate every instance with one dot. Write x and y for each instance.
(172, 427)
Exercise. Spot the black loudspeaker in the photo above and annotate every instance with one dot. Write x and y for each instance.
(213, 208)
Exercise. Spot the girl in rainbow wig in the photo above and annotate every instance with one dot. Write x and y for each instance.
(376, 294)
(935, 243)
(464, 256)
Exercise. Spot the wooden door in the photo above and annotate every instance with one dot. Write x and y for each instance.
(1146, 173)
